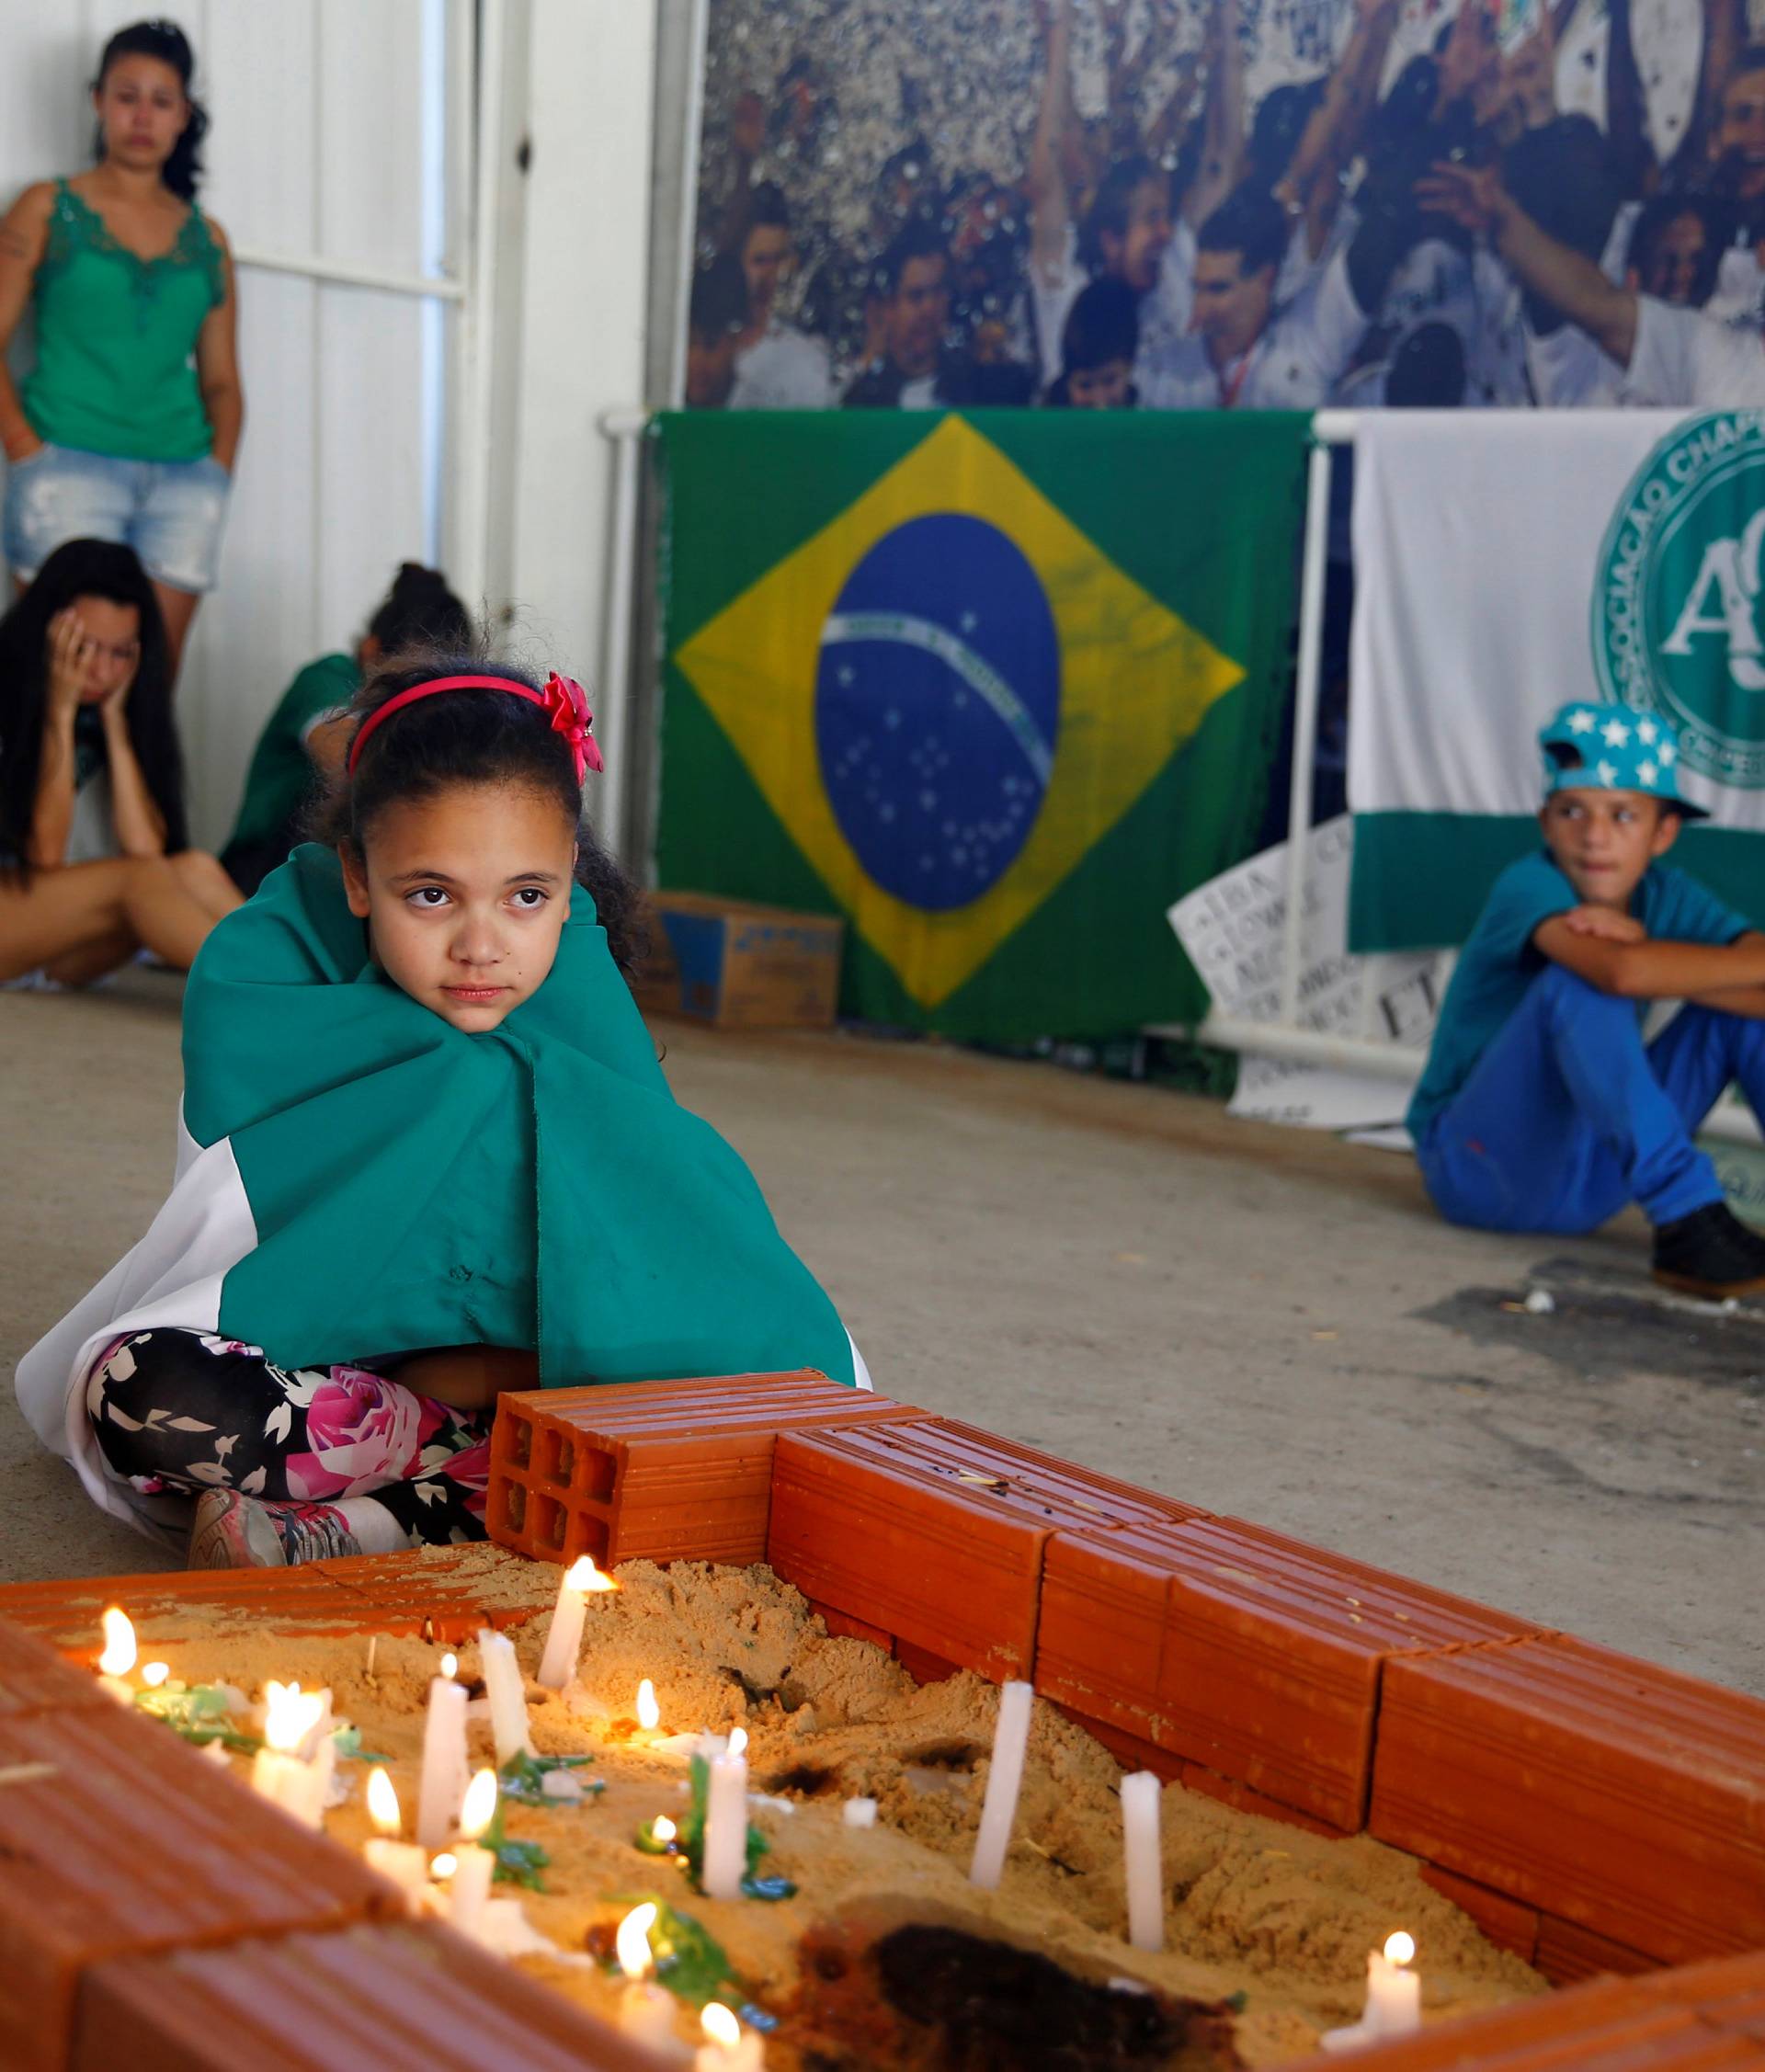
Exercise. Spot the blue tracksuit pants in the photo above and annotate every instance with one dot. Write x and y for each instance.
(1569, 1115)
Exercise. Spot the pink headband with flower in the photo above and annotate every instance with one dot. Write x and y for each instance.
(563, 699)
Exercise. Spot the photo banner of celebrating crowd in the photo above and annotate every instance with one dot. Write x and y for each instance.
(1507, 566)
(1195, 204)
(997, 687)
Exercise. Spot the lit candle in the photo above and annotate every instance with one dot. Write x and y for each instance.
(1005, 1778)
(1394, 1998)
(152, 1674)
(282, 1769)
(649, 1714)
(563, 1641)
(725, 1856)
(1140, 1852)
(119, 1655)
(401, 1862)
(728, 2048)
(470, 1893)
(507, 1696)
(645, 2009)
(444, 1759)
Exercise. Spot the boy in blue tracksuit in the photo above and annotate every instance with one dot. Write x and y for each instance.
(1541, 1107)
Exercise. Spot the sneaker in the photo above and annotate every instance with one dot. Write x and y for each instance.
(234, 1530)
(1710, 1253)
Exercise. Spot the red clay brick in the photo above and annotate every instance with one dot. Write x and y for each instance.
(1726, 1992)
(293, 1601)
(132, 1843)
(1608, 1793)
(941, 1565)
(410, 1592)
(842, 1625)
(1605, 2026)
(1507, 1924)
(935, 1530)
(1053, 1492)
(1230, 1792)
(1100, 1635)
(34, 1679)
(660, 1470)
(922, 1665)
(1566, 1954)
(1128, 1750)
(1253, 1655)
(381, 1998)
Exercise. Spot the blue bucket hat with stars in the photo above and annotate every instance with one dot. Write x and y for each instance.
(1612, 748)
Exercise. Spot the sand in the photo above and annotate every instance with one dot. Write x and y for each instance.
(1257, 1909)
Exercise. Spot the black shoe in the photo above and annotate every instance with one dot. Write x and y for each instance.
(1710, 1253)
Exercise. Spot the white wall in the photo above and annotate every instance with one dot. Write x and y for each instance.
(585, 268)
(317, 149)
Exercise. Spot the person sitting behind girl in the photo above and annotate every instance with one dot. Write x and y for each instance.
(129, 420)
(428, 1154)
(302, 745)
(94, 860)
(1097, 350)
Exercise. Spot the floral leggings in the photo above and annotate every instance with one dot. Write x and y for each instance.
(178, 1410)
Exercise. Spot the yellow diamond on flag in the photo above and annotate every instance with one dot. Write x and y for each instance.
(1130, 683)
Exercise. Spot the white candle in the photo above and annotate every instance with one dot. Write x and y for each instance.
(1393, 1991)
(444, 1761)
(645, 2009)
(858, 1813)
(563, 1641)
(119, 1655)
(507, 1696)
(728, 2048)
(403, 1862)
(280, 1771)
(1010, 1738)
(468, 1891)
(1140, 1852)
(1394, 1998)
(725, 1858)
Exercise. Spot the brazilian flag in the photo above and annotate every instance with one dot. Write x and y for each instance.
(997, 687)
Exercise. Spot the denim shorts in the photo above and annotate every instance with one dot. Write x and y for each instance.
(170, 512)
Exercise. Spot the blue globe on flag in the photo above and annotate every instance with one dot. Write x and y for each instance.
(938, 708)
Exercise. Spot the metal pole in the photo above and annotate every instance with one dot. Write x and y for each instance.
(473, 462)
(614, 704)
(690, 141)
(1310, 656)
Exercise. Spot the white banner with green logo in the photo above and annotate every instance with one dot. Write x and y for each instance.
(1506, 563)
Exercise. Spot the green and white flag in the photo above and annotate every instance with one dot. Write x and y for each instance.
(1507, 563)
(357, 1178)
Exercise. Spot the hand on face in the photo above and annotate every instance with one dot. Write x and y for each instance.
(93, 651)
(71, 649)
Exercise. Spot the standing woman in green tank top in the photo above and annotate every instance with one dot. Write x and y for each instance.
(127, 426)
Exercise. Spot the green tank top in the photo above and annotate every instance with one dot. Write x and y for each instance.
(116, 338)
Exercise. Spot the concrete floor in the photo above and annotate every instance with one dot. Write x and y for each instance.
(1267, 1322)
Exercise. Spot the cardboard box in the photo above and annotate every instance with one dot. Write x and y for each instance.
(739, 966)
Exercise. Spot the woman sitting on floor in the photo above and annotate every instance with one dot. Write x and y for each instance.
(93, 861)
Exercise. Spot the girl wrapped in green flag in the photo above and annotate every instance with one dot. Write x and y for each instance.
(425, 1153)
